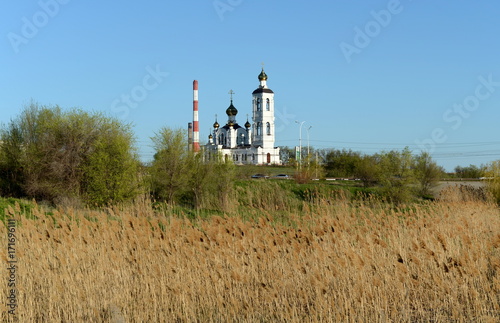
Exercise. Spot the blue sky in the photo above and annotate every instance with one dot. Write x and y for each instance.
(370, 76)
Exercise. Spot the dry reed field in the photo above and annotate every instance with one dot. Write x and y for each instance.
(334, 261)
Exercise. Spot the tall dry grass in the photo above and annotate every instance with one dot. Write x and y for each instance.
(336, 261)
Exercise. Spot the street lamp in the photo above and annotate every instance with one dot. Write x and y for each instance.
(300, 141)
(308, 140)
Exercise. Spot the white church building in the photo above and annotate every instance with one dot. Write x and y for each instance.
(252, 143)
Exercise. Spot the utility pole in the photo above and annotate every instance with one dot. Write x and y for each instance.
(300, 142)
(308, 140)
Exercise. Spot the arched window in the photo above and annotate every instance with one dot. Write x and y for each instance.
(268, 129)
(258, 104)
(222, 139)
(259, 129)
(268, 105)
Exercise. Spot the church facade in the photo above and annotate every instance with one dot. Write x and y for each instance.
(252, 143)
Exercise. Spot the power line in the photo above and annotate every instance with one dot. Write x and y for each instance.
(454, 144)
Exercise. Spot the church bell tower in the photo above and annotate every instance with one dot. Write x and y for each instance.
(263, 114)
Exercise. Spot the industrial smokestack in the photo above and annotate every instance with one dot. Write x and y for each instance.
(190, 136)
(196, 127)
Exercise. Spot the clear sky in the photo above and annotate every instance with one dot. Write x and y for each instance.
(366, 75)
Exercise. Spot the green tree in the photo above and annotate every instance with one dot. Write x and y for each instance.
(492, 174)
(341, 163)
(181, 176)
(119, 183)
(286, 154)
(169, 169)
(50, 153)
(427, 173)
(11, 164)
(396, 176)
(471, 171)
(367, 169)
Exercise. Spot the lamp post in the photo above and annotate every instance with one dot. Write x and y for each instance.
(308, 140)
(300, 141)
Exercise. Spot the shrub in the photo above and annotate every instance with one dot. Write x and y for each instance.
(54, 155)
(179, 176)
(397, 175)
(493, 180)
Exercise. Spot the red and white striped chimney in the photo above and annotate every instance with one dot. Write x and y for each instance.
(196, 127)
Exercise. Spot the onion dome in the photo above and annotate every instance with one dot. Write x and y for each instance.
(247, 124)
(262, 75)
(210, 136)
(216, 125)
(231, 111)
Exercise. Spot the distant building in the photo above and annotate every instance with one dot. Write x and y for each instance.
(252, 143)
